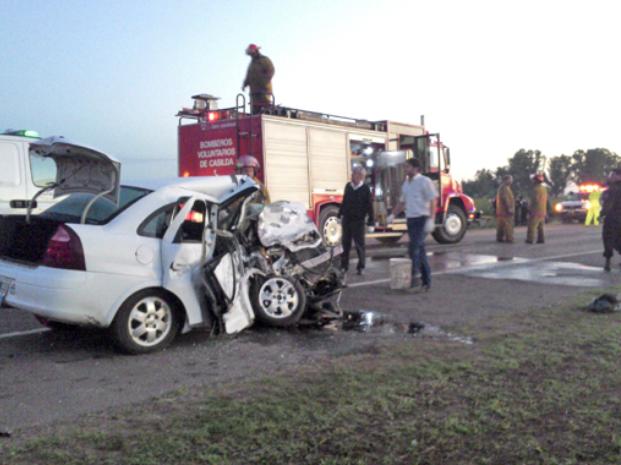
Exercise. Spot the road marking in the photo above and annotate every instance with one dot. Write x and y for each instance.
(485, 265)
(24, 333)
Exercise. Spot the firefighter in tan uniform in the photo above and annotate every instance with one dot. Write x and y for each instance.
(537, 210)
(259, 79)
(505, 205)
(249, 166)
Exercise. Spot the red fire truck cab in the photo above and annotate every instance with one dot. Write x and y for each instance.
(307, 157)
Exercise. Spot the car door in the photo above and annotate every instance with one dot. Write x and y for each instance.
(189, 241)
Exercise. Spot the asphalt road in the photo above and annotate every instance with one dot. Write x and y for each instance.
(50, 376)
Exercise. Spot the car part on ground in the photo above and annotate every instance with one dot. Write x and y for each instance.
(605, 303)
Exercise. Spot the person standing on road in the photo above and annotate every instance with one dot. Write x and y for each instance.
(611, 211)
(259, 79)
(594, 209)
(537, 210)
(357, 205)
(505, 205)
(418, 199)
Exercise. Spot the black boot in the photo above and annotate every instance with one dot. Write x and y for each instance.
(607, 265)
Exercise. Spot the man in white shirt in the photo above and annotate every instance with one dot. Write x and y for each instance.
(418, 198)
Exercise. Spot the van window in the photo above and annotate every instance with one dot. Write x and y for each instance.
(43, 170)
(9, 160)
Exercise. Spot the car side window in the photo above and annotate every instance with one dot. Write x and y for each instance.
(156, 224)
(191, 229)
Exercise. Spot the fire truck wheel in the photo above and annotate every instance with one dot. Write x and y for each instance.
(278, 301)
(453, 227)
(330, 226)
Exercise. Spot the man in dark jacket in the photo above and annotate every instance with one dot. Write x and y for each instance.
(357, 204)
(259, 79)
(611, 210)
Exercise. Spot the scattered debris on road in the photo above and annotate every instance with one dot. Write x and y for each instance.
(371, 321)
(605, 303)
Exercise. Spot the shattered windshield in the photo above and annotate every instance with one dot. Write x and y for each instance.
(103, 210)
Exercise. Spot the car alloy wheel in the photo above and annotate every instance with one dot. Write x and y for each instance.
(150, 321)
(278, 297)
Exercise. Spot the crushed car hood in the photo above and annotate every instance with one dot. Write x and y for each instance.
(287, 224)
(79, 168)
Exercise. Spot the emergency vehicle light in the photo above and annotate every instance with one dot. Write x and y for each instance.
(23, 133)
(589, 187)
(213, 116)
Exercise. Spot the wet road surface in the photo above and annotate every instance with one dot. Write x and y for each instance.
(49, 376)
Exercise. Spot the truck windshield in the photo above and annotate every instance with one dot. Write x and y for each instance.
(69, 210)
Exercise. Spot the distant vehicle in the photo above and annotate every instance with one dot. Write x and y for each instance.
(308, 156)
(576, 205)
(23, 173)
(149, 261)
(36, 173)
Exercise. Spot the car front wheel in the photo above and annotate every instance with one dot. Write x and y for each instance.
(278, 301)
(148, 321)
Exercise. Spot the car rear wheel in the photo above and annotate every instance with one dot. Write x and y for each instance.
(278, 301)
(148, 321)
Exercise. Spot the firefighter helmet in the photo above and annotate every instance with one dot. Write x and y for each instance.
(248, 161)
(252, 48)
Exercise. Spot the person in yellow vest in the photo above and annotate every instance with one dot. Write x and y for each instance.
(248, 165)
(537, 210)
(505, 209)
(594, 207)
(259, 79)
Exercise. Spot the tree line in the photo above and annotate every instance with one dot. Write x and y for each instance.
(592, 165)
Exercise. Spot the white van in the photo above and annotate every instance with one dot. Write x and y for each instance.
(28, 165)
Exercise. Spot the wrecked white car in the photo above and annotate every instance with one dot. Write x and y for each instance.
(149, 261)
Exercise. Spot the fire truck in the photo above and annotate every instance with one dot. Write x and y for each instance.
(307, 157)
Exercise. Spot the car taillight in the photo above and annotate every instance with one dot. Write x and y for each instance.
(64, 250)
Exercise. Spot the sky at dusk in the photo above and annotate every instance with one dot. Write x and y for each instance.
(491, 77)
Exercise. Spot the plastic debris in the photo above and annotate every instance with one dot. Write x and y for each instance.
(605, 303)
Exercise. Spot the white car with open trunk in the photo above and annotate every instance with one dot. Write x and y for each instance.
(147, 261)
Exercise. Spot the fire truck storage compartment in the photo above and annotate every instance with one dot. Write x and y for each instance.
(301, 160)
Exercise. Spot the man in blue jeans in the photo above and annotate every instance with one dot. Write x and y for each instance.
(418, 199)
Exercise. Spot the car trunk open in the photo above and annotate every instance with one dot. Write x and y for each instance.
(25, 242)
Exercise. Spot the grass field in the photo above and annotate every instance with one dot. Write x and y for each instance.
(537, 389)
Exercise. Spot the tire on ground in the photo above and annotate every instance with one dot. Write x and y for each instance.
(277, 300)
(147, 321)
(457, 224)
(330, 226)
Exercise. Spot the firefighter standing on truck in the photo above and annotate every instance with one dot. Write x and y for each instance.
(259, 79)
(537, 210)
(505, 205)
(249, 166)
